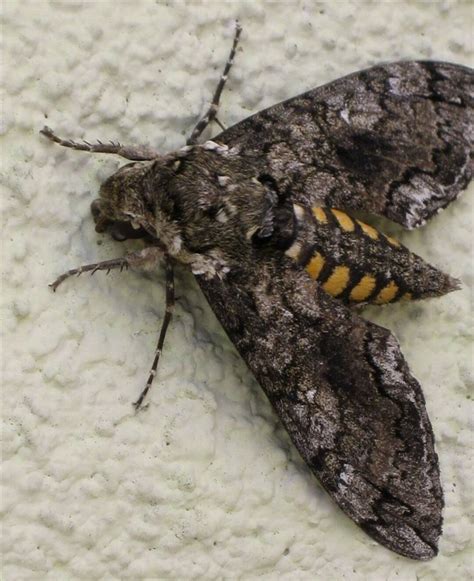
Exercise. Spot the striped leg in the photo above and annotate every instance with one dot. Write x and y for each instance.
(145, 259)
(212, 111)
(164, 328)
(107, 265)
(133, 152)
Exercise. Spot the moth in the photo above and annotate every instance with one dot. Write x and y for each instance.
(261, 215)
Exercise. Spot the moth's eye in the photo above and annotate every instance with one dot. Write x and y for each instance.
(96, 209)
(117, 232)
(121, 231)
(101, 222)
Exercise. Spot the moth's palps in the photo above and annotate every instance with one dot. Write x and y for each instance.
(261, 216)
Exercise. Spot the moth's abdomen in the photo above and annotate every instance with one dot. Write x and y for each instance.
(359, 264)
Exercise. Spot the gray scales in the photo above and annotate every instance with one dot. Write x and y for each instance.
(258, 215)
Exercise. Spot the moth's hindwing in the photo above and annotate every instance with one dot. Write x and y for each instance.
(395, 140)
(344, 392)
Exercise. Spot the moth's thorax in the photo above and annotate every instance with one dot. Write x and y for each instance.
(212, 209)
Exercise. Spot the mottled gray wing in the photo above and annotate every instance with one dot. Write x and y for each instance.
(396, 140)
(345, 394)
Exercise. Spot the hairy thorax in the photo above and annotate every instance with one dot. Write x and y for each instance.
(212, 209)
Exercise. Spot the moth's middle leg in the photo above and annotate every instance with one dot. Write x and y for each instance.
(146, 259)
(212, 111)
(170, 301)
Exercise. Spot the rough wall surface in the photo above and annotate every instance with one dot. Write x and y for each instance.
(203, 484)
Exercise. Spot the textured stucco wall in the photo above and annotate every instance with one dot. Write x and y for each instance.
(204, 484)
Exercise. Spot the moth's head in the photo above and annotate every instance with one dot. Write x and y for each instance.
(122, 208)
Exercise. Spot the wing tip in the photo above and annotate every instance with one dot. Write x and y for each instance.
(420, 552)
(452, 284)
(405, 541)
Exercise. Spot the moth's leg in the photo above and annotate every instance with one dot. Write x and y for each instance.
(146, 259)
(212, 111)
(221, 125)
(164, 328)
(133, 152)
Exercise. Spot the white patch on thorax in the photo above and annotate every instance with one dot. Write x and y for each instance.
(251, 232)
(223, 180)
(299, 211)
(221, 216)
(230, 207)
(185, 150)
(210, 266)
(217, 147)
(170, 235)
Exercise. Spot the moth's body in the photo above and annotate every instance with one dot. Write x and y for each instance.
(228, 221)
(261, 215)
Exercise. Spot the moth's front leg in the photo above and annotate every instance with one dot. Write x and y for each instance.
(133, 152)
(146, 259)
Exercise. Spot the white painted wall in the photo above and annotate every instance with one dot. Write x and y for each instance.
(204, 484)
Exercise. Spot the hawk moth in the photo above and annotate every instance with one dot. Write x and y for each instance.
(262, 216)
